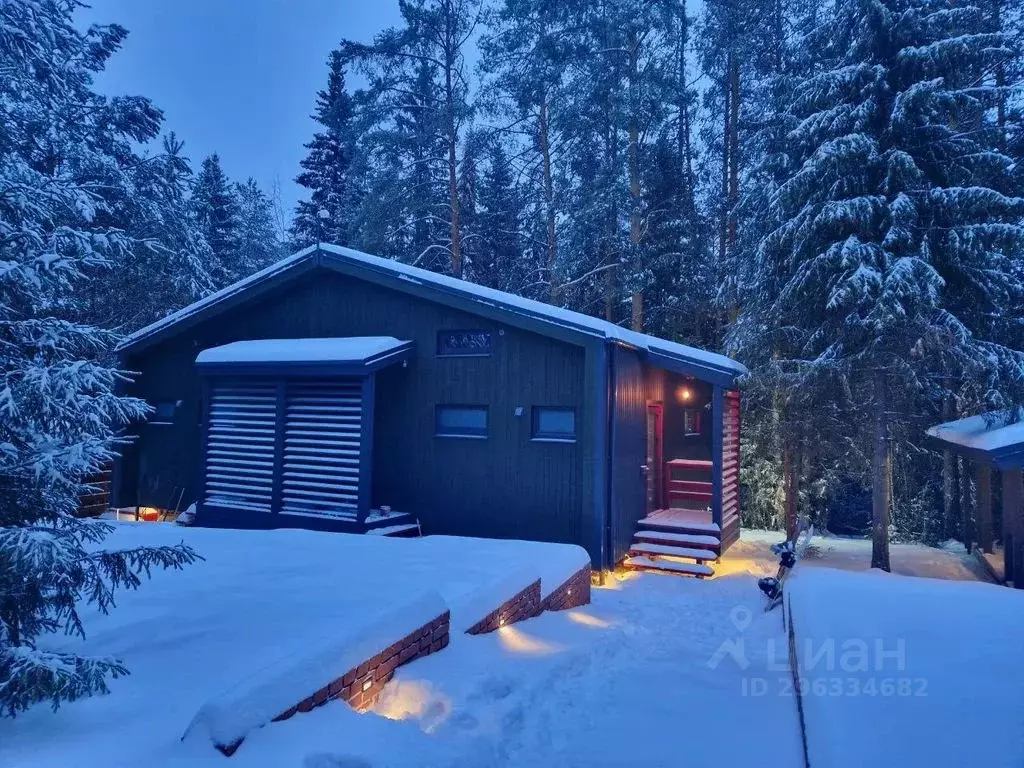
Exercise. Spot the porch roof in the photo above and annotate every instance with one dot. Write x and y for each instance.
(354, 355)
(995, 438)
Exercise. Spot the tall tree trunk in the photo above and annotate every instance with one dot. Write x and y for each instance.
(549, 199)
(635, 222)
(880, 487)
(683, 129)
(791, 489)
(723, 224)
(452, 136)
(734, 147)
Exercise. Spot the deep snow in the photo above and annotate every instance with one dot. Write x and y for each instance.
(658, 671)
(909, 671)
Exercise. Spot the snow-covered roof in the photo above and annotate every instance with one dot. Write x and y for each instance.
(999, 434)
(367, 265)
(354, 349)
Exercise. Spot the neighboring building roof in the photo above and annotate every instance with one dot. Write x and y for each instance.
(996, 438)
(405, 277)
(353, 354)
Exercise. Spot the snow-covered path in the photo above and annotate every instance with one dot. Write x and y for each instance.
(636, 678)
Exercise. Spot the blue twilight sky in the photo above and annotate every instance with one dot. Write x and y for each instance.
(236, 77)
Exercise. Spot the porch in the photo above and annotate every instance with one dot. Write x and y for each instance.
(691, 474)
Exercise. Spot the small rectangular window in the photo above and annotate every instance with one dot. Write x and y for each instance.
(691, 422)
(163, 412)
(461, 421)
(464, 343)
(551, 423)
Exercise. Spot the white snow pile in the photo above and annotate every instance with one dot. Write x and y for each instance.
(909, 671)
(263, 694)
(987, 432)
(275, 602)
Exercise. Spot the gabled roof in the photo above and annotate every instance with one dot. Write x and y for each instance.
(506, 307)
(992, 438)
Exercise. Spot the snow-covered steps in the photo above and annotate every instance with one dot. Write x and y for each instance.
(700, 555)
(669, 566)
(407, 530)
(679, 534)
(684, 522)
(696, 540)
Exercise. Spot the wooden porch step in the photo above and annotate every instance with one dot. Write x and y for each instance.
(700, 555)
(697, 540)
(678, 525)
(669, 566)
(398, 531)
(700, 464)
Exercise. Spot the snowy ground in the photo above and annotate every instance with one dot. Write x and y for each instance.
(909, 671)
(752, 556)
(658, 671)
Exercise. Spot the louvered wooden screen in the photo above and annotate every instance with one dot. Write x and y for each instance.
(731, 455)
(240, 444)
(321, 447)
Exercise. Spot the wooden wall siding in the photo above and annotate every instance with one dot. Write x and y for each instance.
(629, 450)
(731, 455)
(505, 486)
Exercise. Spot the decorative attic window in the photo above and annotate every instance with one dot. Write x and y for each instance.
(464, 343)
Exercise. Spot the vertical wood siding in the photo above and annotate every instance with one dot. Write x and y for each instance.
(506, 486)
(629, 449)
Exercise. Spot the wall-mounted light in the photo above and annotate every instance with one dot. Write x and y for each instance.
(684, 394)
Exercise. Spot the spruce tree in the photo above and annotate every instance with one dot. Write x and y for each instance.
(258, 245)
(64, 158)
(327, 169)
(896, 232)
(217, 211)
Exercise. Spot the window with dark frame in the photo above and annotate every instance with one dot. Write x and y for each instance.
(691, 422)
(460, 421)
(163, 412)
(471, 343)
(554, 423)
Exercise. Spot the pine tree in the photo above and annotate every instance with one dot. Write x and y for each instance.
(217, 211)
(422, 66)
(64, 157)
(504, 262)
(258, 245)
(327, 170)
(166, 267)
(898, 218)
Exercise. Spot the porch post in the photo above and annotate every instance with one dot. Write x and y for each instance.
(1013, 527)
(366, 450)
(983, 474)
(717, 419)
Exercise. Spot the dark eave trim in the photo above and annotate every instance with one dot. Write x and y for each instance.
(1007, 457)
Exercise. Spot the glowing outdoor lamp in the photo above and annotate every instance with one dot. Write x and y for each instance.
(684, 394)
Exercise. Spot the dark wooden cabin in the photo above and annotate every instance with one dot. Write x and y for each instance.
(340, 391)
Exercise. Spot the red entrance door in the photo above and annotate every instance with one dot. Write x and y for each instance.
(655, 462)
